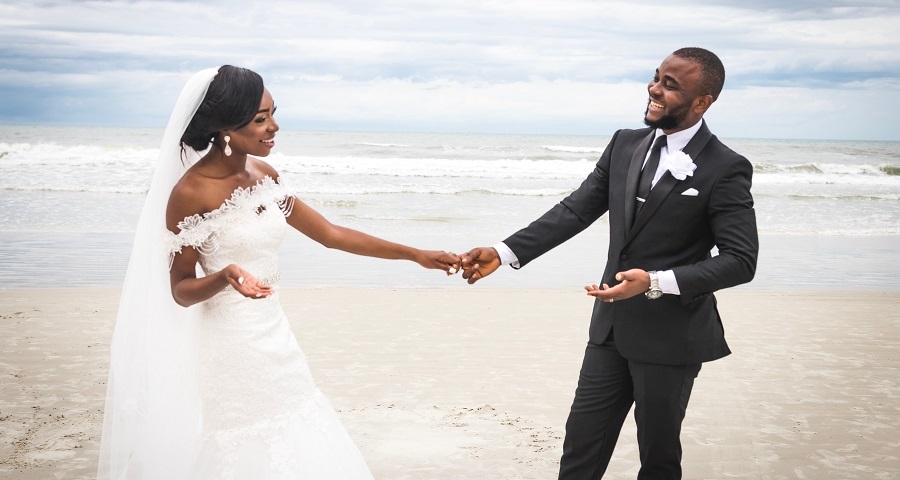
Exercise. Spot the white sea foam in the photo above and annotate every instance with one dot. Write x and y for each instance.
(435, 167)
(563, 148)
(799, 185)
(389, 145)
(49, 154)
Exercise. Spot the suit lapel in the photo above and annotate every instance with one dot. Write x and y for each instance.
(698, 143)
(667, 182)
(634, 173)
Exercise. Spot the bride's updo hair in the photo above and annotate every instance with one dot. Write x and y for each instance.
(230, 103)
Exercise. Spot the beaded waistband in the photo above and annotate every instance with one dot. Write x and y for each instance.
(270, 279)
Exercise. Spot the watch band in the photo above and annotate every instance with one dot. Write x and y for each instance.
(654, 292)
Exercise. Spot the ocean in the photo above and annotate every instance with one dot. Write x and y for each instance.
(828, 210)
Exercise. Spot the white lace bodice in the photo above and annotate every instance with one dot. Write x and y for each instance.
(246, 230)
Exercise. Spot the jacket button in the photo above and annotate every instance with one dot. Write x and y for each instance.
(624, 256)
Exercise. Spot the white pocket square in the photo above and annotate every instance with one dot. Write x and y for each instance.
(691, 192)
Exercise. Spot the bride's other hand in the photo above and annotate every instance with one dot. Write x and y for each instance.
(245, 283)
(440, 260)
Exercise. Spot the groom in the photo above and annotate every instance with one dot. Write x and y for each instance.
(673, 192)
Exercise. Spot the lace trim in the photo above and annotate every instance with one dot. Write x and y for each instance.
(200, 231)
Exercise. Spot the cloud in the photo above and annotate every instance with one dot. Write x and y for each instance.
(793, 112)
(540, 106)
(443, 65)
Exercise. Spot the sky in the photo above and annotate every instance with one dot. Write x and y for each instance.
(794, 69)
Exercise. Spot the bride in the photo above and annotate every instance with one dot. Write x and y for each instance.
(206, 379)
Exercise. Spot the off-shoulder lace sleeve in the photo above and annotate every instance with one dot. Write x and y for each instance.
(286, 198)
(195, 231)
(268, 190)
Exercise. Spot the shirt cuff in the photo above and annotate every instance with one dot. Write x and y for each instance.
(507, 257)
(667, 282)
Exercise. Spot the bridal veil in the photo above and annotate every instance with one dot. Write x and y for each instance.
(152, 418)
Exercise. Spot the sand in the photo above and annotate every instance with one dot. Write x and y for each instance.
(476, 383)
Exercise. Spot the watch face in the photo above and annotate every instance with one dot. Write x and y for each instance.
(654, 294)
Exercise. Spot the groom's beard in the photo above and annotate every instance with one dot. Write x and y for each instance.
(670, 120)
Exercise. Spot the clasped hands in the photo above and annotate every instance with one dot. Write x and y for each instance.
(483, 261)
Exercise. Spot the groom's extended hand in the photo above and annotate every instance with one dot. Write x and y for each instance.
(478, 263)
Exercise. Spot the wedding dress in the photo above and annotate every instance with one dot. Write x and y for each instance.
(220, 389)
(262, 415)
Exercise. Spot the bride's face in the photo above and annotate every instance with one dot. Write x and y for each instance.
(257, 138)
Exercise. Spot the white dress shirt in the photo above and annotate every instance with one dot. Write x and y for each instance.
(674, 142)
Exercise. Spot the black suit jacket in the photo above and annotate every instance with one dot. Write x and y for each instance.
(672, 232)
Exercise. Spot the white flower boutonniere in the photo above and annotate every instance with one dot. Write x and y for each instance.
(679, 164)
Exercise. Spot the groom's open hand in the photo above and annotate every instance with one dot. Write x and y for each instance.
(478, 263)
(632, 282)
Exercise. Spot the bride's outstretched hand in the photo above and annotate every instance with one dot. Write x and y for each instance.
(247, 284)
(448, 262)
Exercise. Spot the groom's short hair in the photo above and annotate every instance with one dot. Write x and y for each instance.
(712, 68)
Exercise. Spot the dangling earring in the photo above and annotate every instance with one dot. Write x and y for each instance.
(227, 146)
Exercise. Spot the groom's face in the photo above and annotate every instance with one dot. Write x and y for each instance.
(674, 102)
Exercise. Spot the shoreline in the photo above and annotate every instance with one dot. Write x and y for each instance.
(445, 382)
(799, 262)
